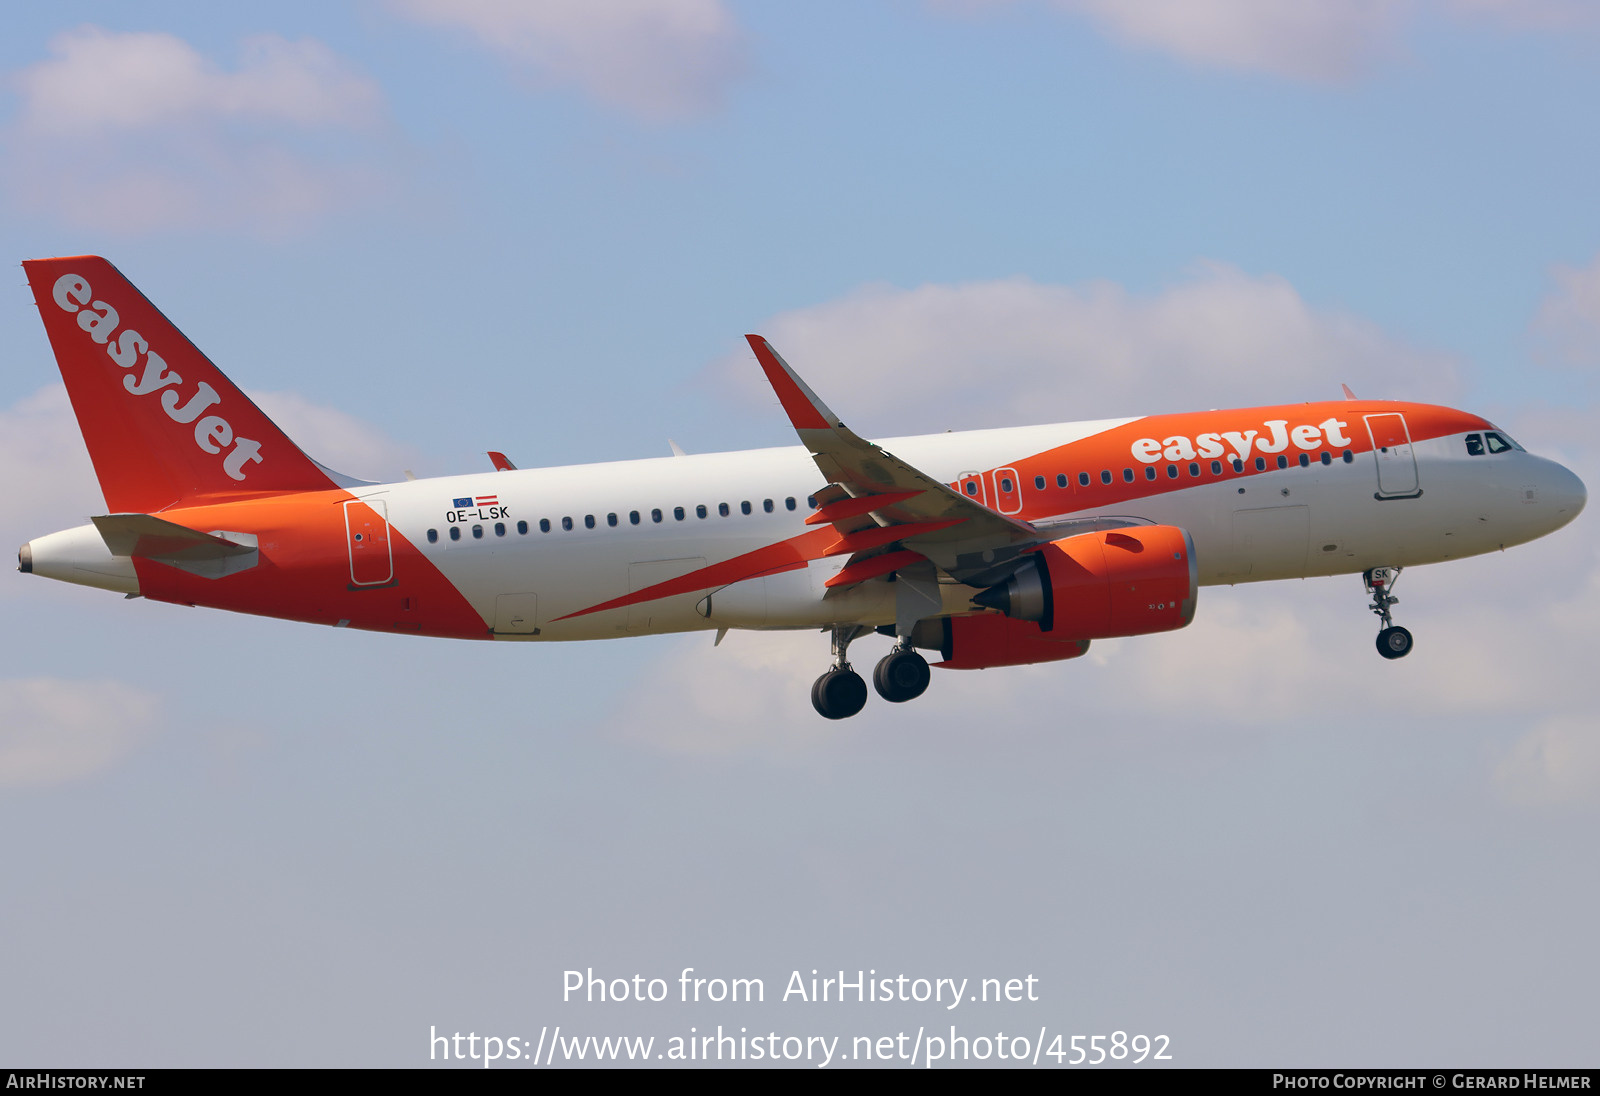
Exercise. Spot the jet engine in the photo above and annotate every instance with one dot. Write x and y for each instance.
(1117, 582)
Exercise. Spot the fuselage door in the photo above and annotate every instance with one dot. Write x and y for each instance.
(1007, 493)
(1391, 448)
(366, 524)
(971, 485)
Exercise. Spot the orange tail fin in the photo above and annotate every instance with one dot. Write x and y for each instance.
(162, 423)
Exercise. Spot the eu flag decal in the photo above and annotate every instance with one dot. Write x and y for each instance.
(461, 504)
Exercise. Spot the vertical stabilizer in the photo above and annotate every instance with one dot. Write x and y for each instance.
(162, 423)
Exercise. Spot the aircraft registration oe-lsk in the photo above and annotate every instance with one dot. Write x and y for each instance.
(993, 547)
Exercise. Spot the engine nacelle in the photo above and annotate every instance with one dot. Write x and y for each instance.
(1115, 582)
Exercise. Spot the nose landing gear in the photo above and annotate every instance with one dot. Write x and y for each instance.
(1393, 640)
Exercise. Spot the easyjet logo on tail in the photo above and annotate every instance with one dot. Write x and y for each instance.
(1276, 439)
(212, 433)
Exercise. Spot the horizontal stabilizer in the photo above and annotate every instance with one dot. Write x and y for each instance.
(149, 537)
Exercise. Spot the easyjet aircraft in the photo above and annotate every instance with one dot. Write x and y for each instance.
(993, 547)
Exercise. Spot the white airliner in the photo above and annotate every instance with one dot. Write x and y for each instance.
(993, 547)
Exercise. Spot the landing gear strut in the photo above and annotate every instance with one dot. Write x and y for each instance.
(1393, 641)
(840, 693)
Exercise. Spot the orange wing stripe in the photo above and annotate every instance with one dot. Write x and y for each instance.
(850, 508)
(862, 569)
(774, 558)
(886, 534)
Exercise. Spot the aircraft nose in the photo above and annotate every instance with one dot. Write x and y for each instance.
(1565, 493)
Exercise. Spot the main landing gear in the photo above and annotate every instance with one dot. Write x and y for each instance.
(1393, 640)
(840, 693)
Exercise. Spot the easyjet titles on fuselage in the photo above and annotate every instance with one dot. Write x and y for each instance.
(1209, 446)
(213, 433)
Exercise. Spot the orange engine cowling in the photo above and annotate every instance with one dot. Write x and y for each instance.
(978, 642)
(1116, 582)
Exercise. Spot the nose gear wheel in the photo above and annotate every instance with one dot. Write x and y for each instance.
(1393, 640)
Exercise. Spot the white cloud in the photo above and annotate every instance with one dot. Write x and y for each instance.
(56, 730)
(101, 81)
(136, 132)
(655, 58)
(1313, 40)
(1568, 320)
(338, 441)
(1528, 14)
(1015, 351)
(46, 480)
(1307, 39)
(1557, 762)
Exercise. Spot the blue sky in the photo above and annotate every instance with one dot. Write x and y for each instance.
(418, 231)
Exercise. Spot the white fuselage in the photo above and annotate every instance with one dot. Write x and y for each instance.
(1294, 522)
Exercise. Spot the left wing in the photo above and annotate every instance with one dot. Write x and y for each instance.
(887, 513)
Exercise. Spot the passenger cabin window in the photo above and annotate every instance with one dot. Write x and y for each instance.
(722, 508)
(1061, 479)
(788, 503)
(544, 525)
(972, 487)
(455, 532)
(1305, 460)
(499, 528)
(677, 513)
(766, 504)
(1349, 456)
(588, 521)
(1083, 479)
(477, 532)
(522, 528)
(1283, 461)
(1149, 471)
(1194, 470)
(744, 507)
(1216, 468)
(700, 511)
(611, 520)
(433, 536)
(1105, 476)
(1327, 457)
(1038, 483)
(655, 516)
(1261, 464)
(633, 517)
(1005, 484)
(1172, 471)
(1127, 475)
(566, 525)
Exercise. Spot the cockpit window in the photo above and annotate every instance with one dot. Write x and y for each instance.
(1474, 445)
(1497, 444)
